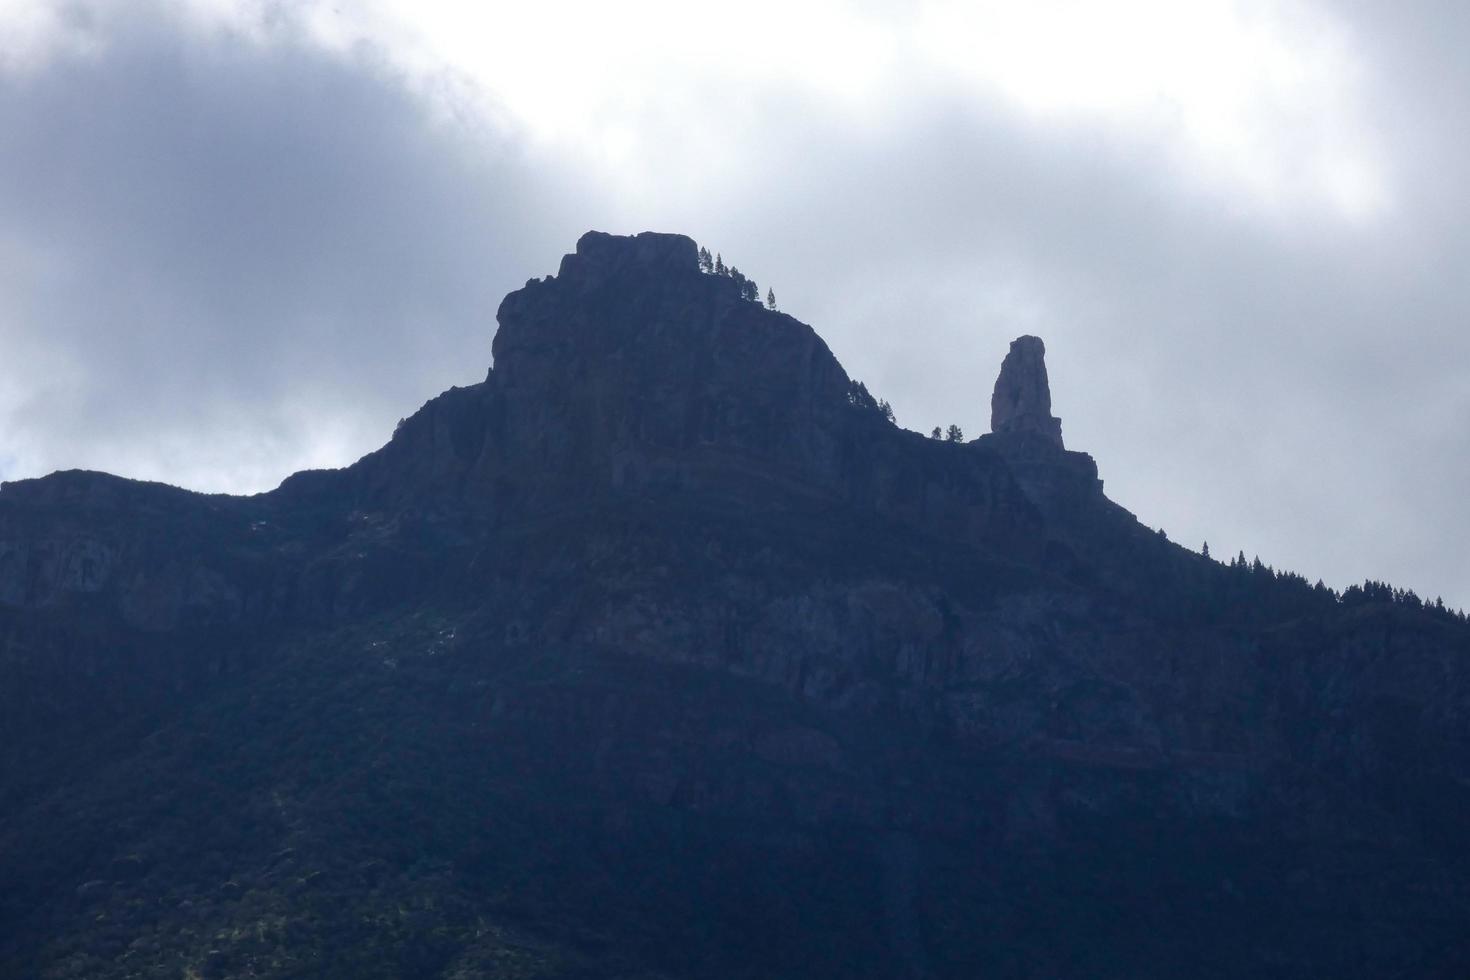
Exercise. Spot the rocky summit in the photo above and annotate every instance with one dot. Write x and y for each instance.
(664, 653)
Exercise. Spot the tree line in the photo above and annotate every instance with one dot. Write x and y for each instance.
(715, 265)
(1256, 574)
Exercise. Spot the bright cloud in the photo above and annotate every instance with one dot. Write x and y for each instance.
(1258, 97)
(1259, 101)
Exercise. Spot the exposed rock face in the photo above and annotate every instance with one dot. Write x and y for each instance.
(658, 653)
(632, 373)
(1021, 402)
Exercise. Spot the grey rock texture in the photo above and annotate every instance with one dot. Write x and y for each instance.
(1021, 401)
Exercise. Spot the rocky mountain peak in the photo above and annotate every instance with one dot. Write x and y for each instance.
(1021, 402)
(599, 253)
(633, 360)
(635, 374)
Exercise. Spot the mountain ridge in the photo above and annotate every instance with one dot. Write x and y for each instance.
(662, 652)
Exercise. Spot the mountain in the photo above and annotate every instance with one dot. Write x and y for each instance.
(663, 653)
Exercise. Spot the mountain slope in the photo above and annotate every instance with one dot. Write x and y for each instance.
(660, 652)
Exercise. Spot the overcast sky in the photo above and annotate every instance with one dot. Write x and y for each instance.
(239, 238)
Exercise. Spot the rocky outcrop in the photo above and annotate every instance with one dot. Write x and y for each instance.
(1021, 402)
(632, 373)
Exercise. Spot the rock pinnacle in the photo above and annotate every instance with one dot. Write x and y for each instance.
(1021, 403)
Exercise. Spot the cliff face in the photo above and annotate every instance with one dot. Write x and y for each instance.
(661, 653)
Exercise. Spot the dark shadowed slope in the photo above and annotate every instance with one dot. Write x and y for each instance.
(662, 653)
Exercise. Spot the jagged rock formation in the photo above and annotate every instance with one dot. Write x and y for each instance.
(1021, 402)
(657, 654)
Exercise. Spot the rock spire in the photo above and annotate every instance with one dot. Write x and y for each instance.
(1021, 403)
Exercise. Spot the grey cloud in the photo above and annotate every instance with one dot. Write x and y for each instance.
(237, 256)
